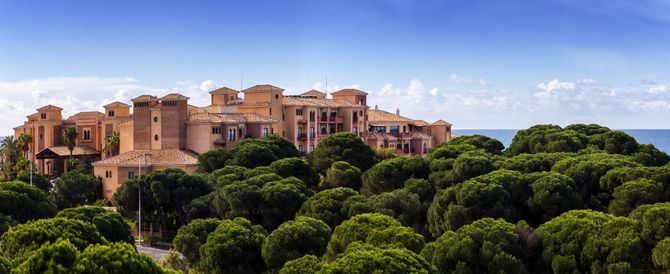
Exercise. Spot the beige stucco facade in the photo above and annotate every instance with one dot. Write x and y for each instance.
(171, 133)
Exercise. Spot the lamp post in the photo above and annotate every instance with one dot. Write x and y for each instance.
(31, 166)
(139, 198)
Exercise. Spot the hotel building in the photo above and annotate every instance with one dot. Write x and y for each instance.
(166, 132)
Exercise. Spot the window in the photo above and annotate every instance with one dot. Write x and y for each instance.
(311, 132)
(298, 112)
(300, 149)
(394, 129)
(131, 175)
(311, 116)
(141, 104)
(282, 117)
(108, 174)
(111, 113)
(299, 132)
(43, 116)
(156, 137)
(311, 147)
(87, 134)
(270, 111)
(355, 130)
(240, 132)
(404, 128)
(156, 119)
(265, 132)
(276, 96)
(231, 134)
(216, 130)
(41, 137)
(355, 119)
(170, 103)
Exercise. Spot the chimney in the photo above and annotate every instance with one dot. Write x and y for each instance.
(376, 108)
(397, 111)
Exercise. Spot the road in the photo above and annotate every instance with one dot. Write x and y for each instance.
(154, 253)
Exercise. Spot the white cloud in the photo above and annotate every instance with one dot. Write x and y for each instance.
(657, 89)
(19, 99)
(556, 84)
(457, 79)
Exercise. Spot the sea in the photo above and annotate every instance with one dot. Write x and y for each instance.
(660, 138)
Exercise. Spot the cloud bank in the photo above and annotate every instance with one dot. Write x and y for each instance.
(464, 101)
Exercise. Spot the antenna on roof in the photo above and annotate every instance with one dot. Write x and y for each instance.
(325, 91)
(242, 80)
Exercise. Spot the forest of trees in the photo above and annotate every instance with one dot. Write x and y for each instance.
(578, 199)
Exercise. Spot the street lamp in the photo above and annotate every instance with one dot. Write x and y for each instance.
(139, 198)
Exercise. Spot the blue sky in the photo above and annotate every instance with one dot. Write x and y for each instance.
(477, 64)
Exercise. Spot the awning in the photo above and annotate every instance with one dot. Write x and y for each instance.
(63, 152)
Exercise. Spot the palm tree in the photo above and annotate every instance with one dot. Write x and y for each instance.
(24, 143)
(10, 155)
(112, 143)
(70, 139)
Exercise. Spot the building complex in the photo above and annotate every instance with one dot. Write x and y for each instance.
(166, 132)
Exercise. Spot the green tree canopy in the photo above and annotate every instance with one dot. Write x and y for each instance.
(190, 237)
(499, 194)
(294, 239)
(281, 200)
(635, 193)
(358, 228)
(343, 174)
(546, 138)
(214, 159)
(552, 194)
(615, 142)
(365, 258)
(24, 239)
(307, 264)
(588, 129)
(397, 237)
(565, 237)
(529, 163)
(400, 204)
(296, 167)
(485, 246)
(346, 147)
(234, 247)
(391, 174)
(649, 155)
(486, 143)
(661, 255)
(586, 171)
(165, 195)
(40, 180)
(654, 220)
(110, 224)
(24, 202)
(328, 205)
(76, 189)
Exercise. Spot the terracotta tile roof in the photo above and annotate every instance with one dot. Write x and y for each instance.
(350, 91)
(316, 102)
(420, 123)
(174, 96)
(376, 115)
(441, 123)
(145, 98)
(263, 88)
(315, 93)
(224, 90)
(230, 118)
(382, 136)
(116, 104)
(153, 157)
(63, 151)
(49, 107)
(86, 114)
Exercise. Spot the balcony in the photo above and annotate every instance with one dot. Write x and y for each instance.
(302, 120)
(332, 119)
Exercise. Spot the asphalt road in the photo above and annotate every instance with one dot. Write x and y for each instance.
(154, 253)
